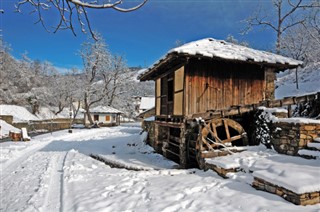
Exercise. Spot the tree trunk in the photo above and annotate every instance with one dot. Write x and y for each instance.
(60, 108)
(88, 114)
(87, 108)
(297, 83)
(76, 111)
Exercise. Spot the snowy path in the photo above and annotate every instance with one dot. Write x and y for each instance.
(55, 173)
(34, 182)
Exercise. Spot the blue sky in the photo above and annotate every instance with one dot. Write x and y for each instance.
(142, 36)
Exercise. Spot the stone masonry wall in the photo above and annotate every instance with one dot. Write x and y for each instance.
(288, 138)
(298, 199)
(148, 126)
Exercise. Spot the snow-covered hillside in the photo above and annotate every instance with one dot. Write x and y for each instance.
(308, 79)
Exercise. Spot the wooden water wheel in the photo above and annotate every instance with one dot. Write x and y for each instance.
(218, 133)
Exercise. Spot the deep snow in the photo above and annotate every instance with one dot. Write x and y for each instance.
(53, 172)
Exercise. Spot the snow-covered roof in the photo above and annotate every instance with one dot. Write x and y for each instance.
(212, 48)
(147, 103)
(104, 109)
(20, 114)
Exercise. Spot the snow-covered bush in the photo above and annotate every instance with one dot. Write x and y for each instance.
(311, 109)
(262, 133)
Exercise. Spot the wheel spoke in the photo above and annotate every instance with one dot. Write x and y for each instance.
(225, 123)
(207, 144)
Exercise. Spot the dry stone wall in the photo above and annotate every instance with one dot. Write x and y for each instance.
(298, 199)
(288, 138)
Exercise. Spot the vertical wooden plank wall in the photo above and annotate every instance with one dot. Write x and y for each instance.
(158, 96)
(214, 85)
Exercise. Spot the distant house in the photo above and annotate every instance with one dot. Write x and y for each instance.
(146, 103)
(104, 115)
(19, 114)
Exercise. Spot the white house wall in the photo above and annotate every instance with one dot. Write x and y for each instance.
(102, 118)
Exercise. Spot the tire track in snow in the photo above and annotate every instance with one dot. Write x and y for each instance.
(54, 198)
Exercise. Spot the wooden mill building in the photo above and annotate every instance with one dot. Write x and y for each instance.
(211, 79)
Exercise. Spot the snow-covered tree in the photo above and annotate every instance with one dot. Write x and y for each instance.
(102, 74)
(64, 90)
(301, 45)
(7, 66)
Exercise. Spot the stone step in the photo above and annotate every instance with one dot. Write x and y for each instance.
(310, 154)
(316, 140)
(314, 145)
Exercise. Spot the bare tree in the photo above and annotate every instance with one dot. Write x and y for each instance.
(71, 11)
(285, 15)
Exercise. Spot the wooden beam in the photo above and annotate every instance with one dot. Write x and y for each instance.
(234, 138)
(172, 152)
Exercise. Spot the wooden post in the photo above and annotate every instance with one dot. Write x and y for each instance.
(289, 111)
(297, 83)
(183, 148)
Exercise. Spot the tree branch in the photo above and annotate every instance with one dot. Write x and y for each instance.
(68, 6)
(292, 24)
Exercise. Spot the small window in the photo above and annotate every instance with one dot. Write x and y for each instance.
(108, 118)
(95, 117)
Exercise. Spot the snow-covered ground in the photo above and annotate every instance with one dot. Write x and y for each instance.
(53, 172)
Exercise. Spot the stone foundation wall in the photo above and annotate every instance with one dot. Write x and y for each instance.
(160, 135)
(288, 138)
(148, 126)
(221, 171)
(298, 199)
